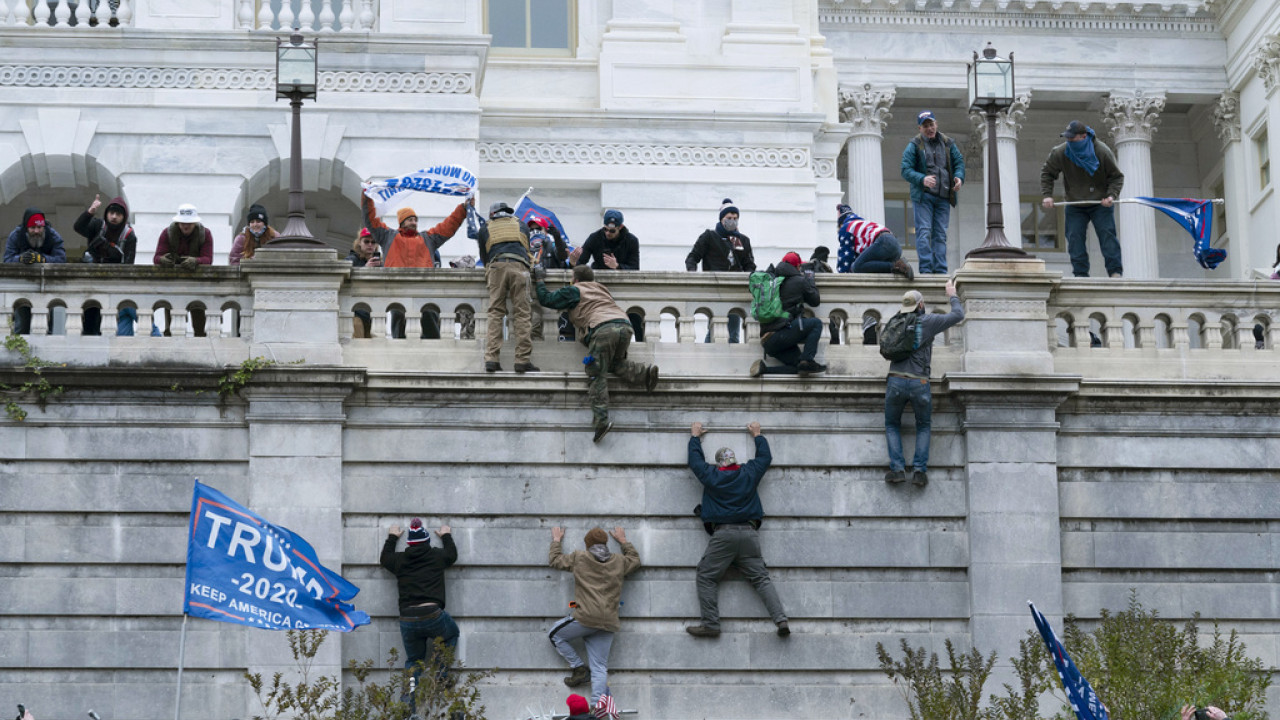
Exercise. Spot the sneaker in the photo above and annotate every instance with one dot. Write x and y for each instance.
(581, 675)
(919, 478)
(601, 432)
(784, 629)
(651, 379)
(894, 477)
(900, 267)
(1259, 345)
(526, 367)
(703, 631)
(757, 368)
(811, 367)
(492, 366)
(1117, 275)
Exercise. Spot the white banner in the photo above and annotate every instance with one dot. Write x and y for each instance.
(442, 179)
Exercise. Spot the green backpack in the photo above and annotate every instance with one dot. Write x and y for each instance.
(766, 296)
(901, 336)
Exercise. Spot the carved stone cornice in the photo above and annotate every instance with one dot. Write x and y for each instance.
(170, 78)
(1133, 117)
(1226, 117)
(1266, 61)
(1058, 16)
(866, 108)
(635, 154)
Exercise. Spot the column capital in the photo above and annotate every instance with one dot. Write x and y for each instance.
(1008, 121)
(1226, 117)
(866, 108)
(1266, 61)
(1133, 117)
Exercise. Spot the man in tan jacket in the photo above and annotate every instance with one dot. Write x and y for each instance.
(597, 590)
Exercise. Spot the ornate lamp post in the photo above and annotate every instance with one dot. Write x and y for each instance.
(296, 80)
(990, 91)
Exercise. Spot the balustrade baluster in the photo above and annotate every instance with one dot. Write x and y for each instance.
(21, 13)
(1147, 336)
(62, 14)
(213, 325)
(177, 323)
(82, 14)
(102, 13)
(379, 329)
(124, 13)
(346, 17)
(366, 15)
(326, 16)
(42, 14)
(245, 15)
(265, 17)
(73, 325)
(307, 16)
(413, 326)
(286, 14)
(39, 321)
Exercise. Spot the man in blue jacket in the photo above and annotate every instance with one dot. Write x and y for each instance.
(731, 513)
(934, 167)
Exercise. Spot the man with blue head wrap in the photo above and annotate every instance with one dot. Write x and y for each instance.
(1089, 173)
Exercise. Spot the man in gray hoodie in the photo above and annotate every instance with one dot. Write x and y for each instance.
(909, 383)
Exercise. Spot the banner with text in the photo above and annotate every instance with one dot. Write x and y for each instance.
(242, 569)
(440, 179)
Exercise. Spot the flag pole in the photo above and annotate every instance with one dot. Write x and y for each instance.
(182, 651)
(1073, 203)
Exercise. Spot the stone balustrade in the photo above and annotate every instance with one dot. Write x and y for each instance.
(1156, 329)
(323, 16)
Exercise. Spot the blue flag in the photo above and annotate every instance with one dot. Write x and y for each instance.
(1083, 700)
(242, 569)
(527, 210)
(1196, 217)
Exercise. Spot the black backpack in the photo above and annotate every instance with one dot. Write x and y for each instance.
(901, 336)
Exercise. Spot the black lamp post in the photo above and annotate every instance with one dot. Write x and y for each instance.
(990, 91)
(296, 80)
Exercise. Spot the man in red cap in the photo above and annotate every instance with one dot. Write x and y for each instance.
(419, 572)
(792, 340)
(30, 243)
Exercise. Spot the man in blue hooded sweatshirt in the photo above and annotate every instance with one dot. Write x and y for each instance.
(1089, 172)
(731, 513)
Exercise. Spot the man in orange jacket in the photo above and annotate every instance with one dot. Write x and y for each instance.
(406, 247)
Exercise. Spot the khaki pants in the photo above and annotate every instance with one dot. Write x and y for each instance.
(508, 284)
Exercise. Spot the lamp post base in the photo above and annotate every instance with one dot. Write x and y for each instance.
(296, 234)
(996, 245)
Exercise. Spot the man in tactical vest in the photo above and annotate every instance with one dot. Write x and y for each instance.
(504, 248)
(604, 328)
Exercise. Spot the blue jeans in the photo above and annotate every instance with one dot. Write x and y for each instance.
(898, 393)
(1104, 226)
(880, 256)
(735, 327)
(785, 344)
(932, 215)
(125, 318)
(419, 637)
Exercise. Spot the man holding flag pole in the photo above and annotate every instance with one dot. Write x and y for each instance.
(1092, 181)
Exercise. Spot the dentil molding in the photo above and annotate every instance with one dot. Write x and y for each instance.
(169, 78)
(627, 154)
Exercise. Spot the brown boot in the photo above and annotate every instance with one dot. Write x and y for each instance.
(900, 267)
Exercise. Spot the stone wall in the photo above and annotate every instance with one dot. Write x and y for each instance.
(1060, 473)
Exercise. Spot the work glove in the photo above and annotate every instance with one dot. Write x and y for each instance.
(166, 261)
(539, 273)
(27, 257)
(189, 263)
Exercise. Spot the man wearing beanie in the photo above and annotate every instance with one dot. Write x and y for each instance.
(868, 247)
(723, 249)
(792, 340)
(255, 234)
(419, 572)
(597, 591)
(507, 257)
(731, 513)
(909, 383)
(612, 247)
(578, 708)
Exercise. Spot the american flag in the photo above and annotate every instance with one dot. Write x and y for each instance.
(1084, 701)
(605, 708)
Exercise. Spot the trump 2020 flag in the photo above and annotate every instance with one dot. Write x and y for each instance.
(242, 569)
(1196, 216)
(1084, 701)
(441, 179)
(527, 209)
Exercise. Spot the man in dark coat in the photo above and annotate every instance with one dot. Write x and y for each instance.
(111, 239)
(731, 513)
(792, 340)
(419, 572)
(32, 242)
(723, 249)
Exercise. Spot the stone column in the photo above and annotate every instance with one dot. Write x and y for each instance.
(1008, 123)
(1132, 120)
(1226, 119)
(1266, 60)
(867, 111)
(1009, 397)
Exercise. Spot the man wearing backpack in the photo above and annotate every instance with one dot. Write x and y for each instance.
(909, 379)
(782, 329)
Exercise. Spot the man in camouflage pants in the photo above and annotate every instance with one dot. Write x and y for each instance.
(604, 328)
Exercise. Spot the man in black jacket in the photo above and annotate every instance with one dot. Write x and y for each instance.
(419, 572)
(612, 247)
(782, 339)
(723, 249)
